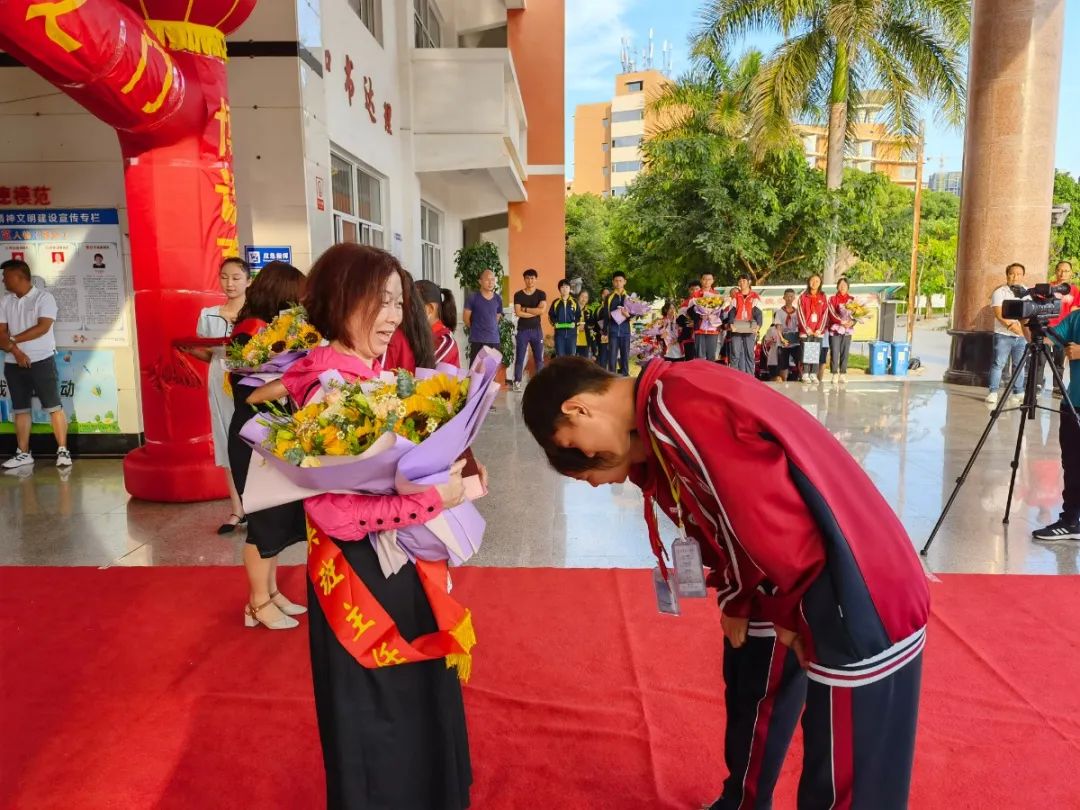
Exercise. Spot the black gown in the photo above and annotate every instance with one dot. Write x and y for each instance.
(392, 738)
(270, 530)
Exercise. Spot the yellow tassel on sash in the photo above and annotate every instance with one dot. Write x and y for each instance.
(226, 386)
(190, 37)
(465, 635)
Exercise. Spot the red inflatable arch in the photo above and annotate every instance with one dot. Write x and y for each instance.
(155, 71)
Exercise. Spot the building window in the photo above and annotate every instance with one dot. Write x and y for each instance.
(618, 191)
(370, 12)
(627, 115)
(865, 149)
(626, 140)
(428, 25)
(604, 171)
(604, 146)
(627, 166)
(907, 172)
(357, 200)
(605, 123)
(809, 144)
(908, 155)
(430, 243)
(635, 87)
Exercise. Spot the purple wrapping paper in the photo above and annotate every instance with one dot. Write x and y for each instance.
(269, 371)
(395, 465)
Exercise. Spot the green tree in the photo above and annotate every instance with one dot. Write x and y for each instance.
(713, 97)
(1065, 241)
(588, 238)
(836, 52)
(705, 205)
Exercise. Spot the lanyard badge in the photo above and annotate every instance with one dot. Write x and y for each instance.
(685, 551)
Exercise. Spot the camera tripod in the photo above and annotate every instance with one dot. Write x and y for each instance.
(1036, 350)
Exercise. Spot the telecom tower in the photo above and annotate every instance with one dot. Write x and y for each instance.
(629, 58)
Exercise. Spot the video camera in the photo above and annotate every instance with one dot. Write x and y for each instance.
(1040, 309)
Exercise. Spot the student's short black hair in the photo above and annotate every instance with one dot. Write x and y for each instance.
(618, 274)
(530, 272)
(561, 379)
(16, 266)
(789, 290)
(564, 282)
(746, 277)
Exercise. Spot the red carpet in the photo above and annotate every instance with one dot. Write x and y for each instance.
(138, 688)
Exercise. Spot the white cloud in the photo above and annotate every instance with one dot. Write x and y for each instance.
(594, 32)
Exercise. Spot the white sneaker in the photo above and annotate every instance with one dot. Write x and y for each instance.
(843, 379)
(1016, 399)
(992, 398)
(63, 457)
(806, 378)
(20, 459)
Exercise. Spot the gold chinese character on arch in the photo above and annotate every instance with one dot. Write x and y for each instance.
(312, 537)
(224, 119)
(52, 12)
(386, 658)
(356, 619)
(329, 577)
(227, 190)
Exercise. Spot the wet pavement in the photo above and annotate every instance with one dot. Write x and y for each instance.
(912, 437)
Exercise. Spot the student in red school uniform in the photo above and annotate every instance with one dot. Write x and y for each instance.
(813, 321)
(412, 345)
(823, 601)
(841, 328)
(441, 311)
(1063, 274)
(744, 319)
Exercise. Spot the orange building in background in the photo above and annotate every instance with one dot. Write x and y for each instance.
(874, 148)
(608, 135)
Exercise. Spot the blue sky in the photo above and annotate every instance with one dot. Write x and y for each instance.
(595, 27)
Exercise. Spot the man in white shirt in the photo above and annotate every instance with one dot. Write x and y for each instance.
(1009, 337)
(27, 315)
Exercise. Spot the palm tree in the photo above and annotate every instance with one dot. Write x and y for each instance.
(836, 53)
(712, 98)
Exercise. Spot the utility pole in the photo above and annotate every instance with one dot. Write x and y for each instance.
(917, 220)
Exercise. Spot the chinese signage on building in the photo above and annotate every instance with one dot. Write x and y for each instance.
(258, 256)
(87, 393)
(75, 255)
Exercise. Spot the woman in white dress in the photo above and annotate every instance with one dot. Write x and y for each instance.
(217, 322)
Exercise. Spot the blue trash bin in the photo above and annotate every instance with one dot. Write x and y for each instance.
(879, 357)
(901, 354)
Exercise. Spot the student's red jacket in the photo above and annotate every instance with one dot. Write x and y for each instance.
(446, 348)
(793, 529)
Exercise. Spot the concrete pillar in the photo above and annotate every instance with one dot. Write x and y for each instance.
(1014, 80)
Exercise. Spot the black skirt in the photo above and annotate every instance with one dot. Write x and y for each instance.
(392, 738)
(269, 530)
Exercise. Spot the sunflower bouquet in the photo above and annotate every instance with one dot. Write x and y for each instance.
(856, 311)
(393, 434)
(276, 346)
(350, 418)
(711, 310)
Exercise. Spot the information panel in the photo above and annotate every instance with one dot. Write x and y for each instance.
(75, 255)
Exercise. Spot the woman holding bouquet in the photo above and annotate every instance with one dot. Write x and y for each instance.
(813, 321)
(841, 328)
(270, 531)
(392, 730)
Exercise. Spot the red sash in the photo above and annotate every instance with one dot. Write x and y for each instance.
(366, 630)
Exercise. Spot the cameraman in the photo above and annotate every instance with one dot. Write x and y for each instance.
(1062, 275)
(1068, 525)
(1009, 337)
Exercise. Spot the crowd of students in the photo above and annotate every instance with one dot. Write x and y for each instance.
(809, 336)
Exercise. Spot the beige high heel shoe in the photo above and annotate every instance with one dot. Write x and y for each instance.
(286, 606)
(251, 618)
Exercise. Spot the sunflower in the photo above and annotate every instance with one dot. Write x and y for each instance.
(445, 387)
(334, 441)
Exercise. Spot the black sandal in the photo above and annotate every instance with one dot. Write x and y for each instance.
(229, 528)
